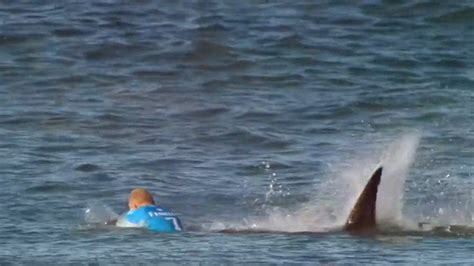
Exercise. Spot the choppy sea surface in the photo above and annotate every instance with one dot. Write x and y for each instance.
(260, 118)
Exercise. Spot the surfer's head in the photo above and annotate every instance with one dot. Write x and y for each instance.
(140, 197)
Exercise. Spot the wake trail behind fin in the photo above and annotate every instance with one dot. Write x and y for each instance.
(362, 216)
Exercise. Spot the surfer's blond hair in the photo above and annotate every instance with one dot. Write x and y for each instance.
(140, 197)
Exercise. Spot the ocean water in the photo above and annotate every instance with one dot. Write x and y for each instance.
(257, 121)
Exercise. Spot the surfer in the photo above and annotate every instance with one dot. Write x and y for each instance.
(145, 213)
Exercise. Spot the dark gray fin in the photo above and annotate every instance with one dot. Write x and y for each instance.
(362, 217)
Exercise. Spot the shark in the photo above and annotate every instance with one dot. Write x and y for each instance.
(362, 218)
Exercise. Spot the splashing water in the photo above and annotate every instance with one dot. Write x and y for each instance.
(396, 162)
(334, 199)
(97, 213)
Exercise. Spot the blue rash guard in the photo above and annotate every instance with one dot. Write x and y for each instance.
(154, 218)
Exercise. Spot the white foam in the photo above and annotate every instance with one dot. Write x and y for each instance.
(396, 161)
(99, 213)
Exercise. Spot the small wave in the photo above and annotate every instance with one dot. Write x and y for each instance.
(16, 39)
(271, 78)
(257, 115)
(150, 74)
(207, 50)
(206, 112)
(293, 41)
(211, 29)
(243, 135)
(426, 229)
(453, 230)
(439, 231)
(110, 117)
(231, 66)
(352, 21)
(397, 62)
(69, 32)
(451, 63)
(463, 16)
(50, 187)
(87, 167)
(112, 50)
(8, 120)
(57, 148)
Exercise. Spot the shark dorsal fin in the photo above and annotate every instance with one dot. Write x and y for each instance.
(362, 216)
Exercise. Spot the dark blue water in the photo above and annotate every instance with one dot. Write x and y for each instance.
(237, 115)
